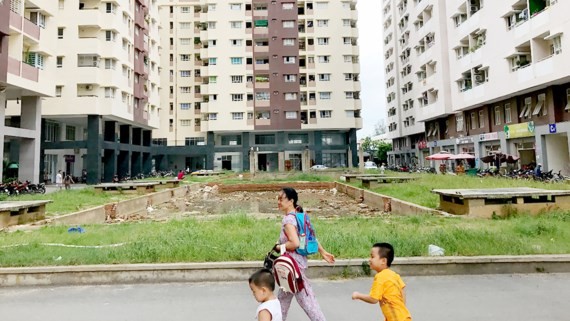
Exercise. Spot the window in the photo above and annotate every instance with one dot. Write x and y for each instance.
(324, 59)
(263, 95)
(507, 113)
(110, 35)
(195, 141)
(288, 41)
(59, 61)
(212, 43)
(231, 140)
(237, 79)
(185, 9)
(185, 90)
(288, 24)
(325, 95)
(322, 22)
(213, 116)
(459, 122)
(213, 79)
(185, 41)
(298, 139)
(290, 96)
(237, 116)
(211, 7)
(58, 90)
(184, 57)
(289, 59)
(60, 33)
(324, 77)
(109, 92)
(345, 22)
(109, 7)
(236, 60)
(287, 5)
(185, 25)
(474, 120)
(235, 6)
(237, 97)
(497, 115)
(52, 132)
(540, 106)
(290, 115)
(236, 42)
(525, 111)
(185, 73)
(322, 41)
(185, 122)
(290, 78)
(211, 25)
(326, 113)
(481, 119)
(69, 133)
(212, 61)
(110, 63)
(321, 5)
(236, 24)
(266, 139)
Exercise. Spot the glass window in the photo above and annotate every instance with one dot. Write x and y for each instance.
(507, 113)
(69, 133)
(236, 60)
(268, 139)
(333, 139)
(497, 115)
(237, 116)
(290, 115)
(231, 140)
(298, 138)
(184, 106)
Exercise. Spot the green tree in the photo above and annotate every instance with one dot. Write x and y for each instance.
(382, 151)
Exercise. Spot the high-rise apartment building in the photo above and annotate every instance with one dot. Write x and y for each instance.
(25, 77)
(501, 68)
(276, 78)
(106, 61)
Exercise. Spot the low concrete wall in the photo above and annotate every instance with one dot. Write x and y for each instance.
(240, 271)
(388, 203)
(99, 214)
(222, 188)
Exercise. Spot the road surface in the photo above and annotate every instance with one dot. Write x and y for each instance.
(442, 298)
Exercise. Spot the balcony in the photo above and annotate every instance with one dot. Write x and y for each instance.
(15, 21)
(261, 48)
(262, 67)
(14, 66)
(262, 122)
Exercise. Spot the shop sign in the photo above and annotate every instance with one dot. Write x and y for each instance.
(489, 136)
(69, 158)
(422, 144)
(466, 140)
(520, 130)
(552, 128)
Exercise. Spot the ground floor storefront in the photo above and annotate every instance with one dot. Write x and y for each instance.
(546, 144)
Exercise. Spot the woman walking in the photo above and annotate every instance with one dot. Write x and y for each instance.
(289, 241)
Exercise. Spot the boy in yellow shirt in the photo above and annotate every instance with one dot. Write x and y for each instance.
(387, 288)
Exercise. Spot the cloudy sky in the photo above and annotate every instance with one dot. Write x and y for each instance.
(371, 64)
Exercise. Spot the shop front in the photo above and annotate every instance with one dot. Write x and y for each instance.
(522, 143)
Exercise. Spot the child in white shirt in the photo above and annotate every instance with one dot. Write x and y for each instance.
(262, 285)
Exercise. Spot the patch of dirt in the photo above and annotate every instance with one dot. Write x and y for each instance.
(208, 203)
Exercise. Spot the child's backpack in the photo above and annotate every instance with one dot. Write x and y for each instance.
(287, 274)
(308, 243)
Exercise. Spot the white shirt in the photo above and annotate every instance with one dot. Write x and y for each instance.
(273, 306)
(58, 178)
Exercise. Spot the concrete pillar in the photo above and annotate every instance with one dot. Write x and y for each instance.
(94, 145)
(2, 131)
(306, 160)
(252, 161)
(245, 151)
(360, 158)
(349, 157)
(281, 161)
(110, 159)
(31, 118)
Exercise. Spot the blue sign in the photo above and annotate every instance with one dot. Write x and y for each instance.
(552, 128)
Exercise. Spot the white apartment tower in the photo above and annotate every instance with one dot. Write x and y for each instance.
(26, 75)
(506, 87)
(276, 79)
(105, 55)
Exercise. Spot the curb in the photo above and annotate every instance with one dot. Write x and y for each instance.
(240, 271)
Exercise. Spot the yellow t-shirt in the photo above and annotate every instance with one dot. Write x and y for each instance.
(387, 289)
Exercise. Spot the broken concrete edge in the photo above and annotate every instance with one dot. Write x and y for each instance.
(240, 271)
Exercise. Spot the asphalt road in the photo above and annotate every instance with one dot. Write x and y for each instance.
(442, 298)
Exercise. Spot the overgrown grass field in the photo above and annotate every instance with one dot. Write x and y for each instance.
(419, 191)
(238, 237)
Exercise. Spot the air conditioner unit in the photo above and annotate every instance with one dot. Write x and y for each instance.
(88, 87)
